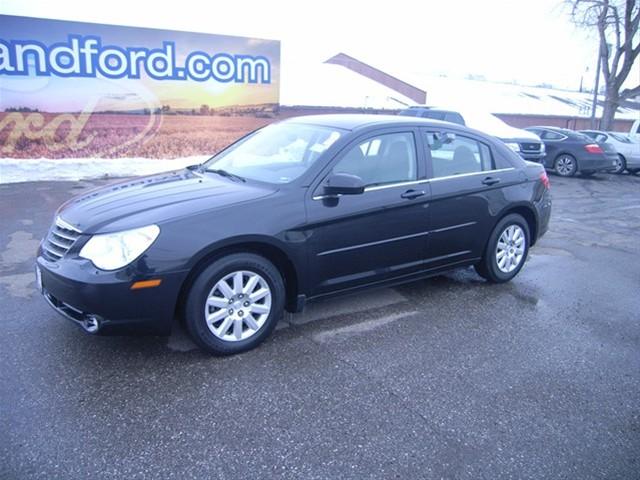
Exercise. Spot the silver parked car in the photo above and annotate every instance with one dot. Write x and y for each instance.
(628, 150)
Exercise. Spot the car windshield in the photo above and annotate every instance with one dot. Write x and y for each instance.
(278, 153)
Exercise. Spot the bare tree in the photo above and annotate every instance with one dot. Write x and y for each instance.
(617, 23)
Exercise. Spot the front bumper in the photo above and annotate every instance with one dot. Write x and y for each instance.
(103, 303)
(537, 157)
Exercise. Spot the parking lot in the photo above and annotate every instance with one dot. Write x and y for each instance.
(450, 377)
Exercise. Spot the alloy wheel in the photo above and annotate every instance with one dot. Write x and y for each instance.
(510, 248)
(238, 306)
(565, 166)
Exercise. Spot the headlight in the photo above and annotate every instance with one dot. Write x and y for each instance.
(513, 146)
(111, 251)
(543, 148)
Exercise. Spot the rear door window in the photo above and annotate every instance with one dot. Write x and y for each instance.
(454, 154)
(550, 135)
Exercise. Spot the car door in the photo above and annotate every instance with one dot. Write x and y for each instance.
(378, 234)
(467, 190)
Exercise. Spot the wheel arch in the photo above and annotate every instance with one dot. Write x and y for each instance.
(256, 245)
(528, 213)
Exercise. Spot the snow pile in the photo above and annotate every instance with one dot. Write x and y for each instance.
(330, 85)
(13, 170)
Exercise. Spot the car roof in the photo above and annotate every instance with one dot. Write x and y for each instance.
(352, 121)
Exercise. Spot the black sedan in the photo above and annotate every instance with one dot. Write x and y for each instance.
(569, 152)
(305, 208)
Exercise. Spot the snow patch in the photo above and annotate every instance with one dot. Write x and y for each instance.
(13, 170)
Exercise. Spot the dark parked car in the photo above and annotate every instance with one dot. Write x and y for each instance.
(569, 152)
(526, 144)
(301, 209)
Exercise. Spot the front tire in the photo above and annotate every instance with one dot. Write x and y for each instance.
(565, 165)
(621, 165)
(234, 303)
(506, 250)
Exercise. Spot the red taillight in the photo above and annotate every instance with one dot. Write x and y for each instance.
(545, 180)
(593, 148)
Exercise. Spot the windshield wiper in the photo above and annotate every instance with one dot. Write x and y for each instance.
(224, 173)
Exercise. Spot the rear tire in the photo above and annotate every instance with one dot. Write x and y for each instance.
(621, 166)
(506, 250)
(234, 304)
(565, 165)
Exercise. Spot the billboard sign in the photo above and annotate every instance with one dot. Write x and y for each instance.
(70, 89)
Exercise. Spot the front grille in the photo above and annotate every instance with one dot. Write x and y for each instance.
(60, 239)
(530, 147)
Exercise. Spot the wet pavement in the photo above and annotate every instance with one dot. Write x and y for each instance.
(445, 378)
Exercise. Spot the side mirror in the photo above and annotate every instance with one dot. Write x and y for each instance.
(343, 184)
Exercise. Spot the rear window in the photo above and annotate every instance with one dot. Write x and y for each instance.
(454, 117)
(435, 115)
(551, 135)
(620, 138)
(410, 112)
(587, 138)
(457, 156)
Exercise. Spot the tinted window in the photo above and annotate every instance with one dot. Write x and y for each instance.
(584, 137)
(458, 156)
(434, 114)
(382, 159)
(410, 112)
(454, 117)
(620, 138)
(550, 135)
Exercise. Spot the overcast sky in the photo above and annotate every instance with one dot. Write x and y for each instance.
(528, 41)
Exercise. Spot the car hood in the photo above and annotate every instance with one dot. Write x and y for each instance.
(154, 199)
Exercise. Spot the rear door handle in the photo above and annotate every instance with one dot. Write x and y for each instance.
(490, 181)
(411, 194)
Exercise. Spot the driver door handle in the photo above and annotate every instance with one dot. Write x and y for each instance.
(490, 181)
(411, 194)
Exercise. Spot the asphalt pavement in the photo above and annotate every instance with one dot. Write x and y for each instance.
(449, 377)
